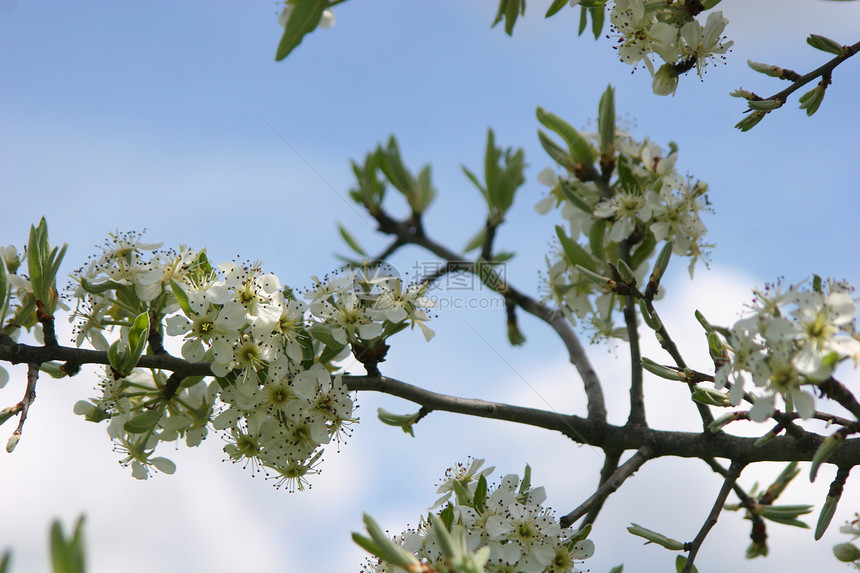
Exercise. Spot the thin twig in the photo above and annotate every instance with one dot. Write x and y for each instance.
(27, 400)
(821, 71)
(669, 346)
(694, 546)
(407, 233)
(610, 464)
(608, 487)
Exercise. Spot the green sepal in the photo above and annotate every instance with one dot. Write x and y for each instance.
(304, 19)
(143, 422)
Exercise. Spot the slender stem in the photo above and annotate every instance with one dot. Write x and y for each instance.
(694, 546)
(669, 346)
(408, 234)
(837, 391)
(609, 486)
(610, 464)
(29, 395)
(637, 393)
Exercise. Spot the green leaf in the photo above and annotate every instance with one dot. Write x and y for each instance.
(606, 121)
(67, 556)
(476, 241)
(571, 194)
(350, 240)
(4, 562)
(143, 422)
(595, 238)
(304, 18)
(555, 7)
(509, 10)
(580, 149)
(575, 254)
(583, 20)
(556, 152)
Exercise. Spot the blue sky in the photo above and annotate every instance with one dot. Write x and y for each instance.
(174, 117)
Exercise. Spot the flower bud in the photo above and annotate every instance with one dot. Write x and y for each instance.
(846, 552)
(825, 44)
(665, 81)
(663, 371)
(825, 450)
(654, 537)
(765, 104)
(811, 100)
(826, 515)
(13, 441)
(766, 69)
(751, 120)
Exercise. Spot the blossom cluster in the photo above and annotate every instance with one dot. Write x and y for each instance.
(277, 396)
(644, 202)
(522, 535)
(669, 30)
(793, 339)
